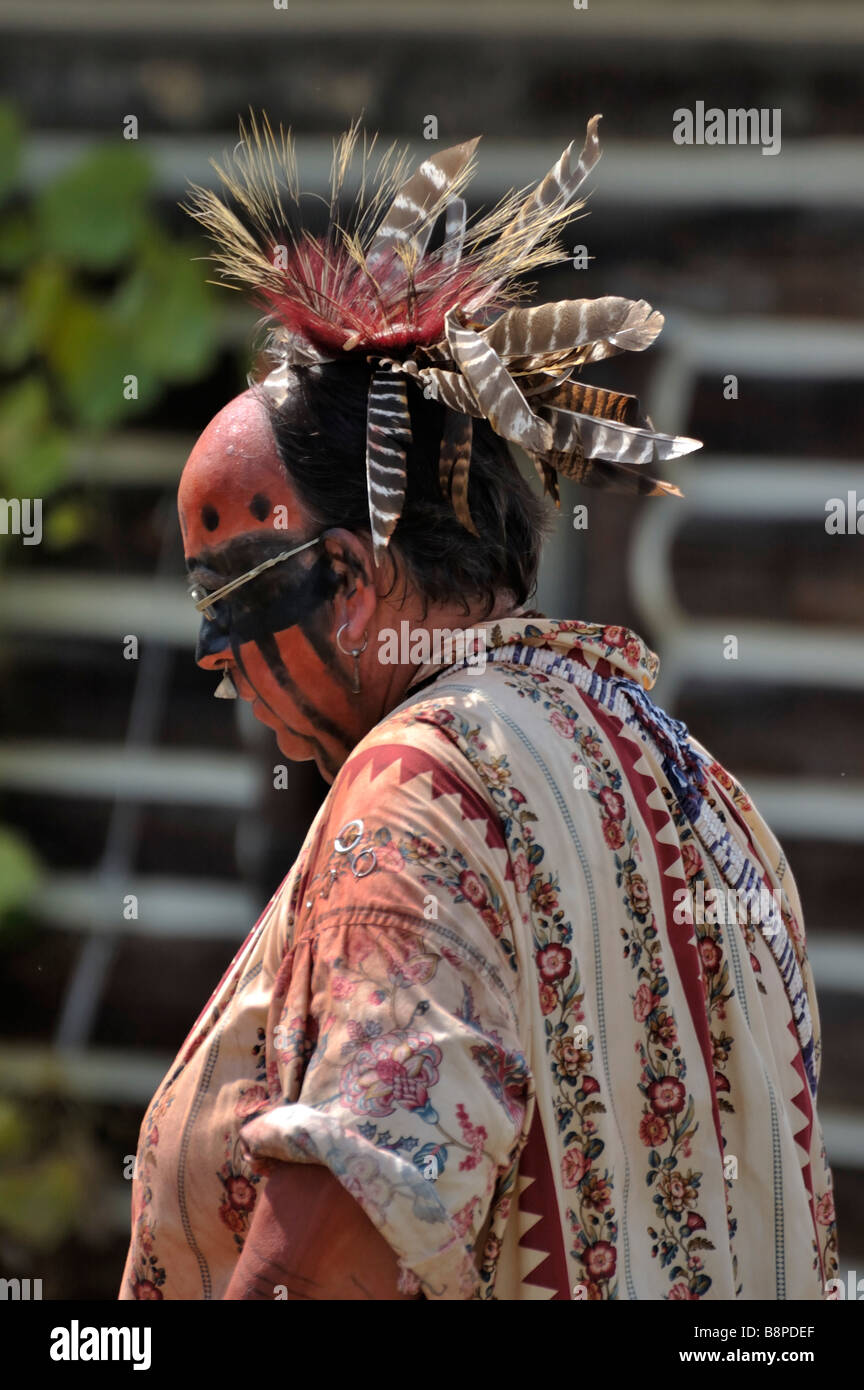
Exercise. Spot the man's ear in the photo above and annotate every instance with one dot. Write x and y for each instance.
(352, 562)
(349, 559)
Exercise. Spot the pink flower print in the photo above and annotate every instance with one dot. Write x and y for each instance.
(388, 857)
(633, 652)
(548, 998)
(711, 956)
(600, 1260)
(653, 1130)
(825, 1209)
(472, 888)
(250, 1100)
(691, 859)
(553, 961)
(667, 1096)
(613, 803)
(561, 724)
(574, 1166)
(612, 833)
(395, 1070)
(544, 898)
(474, 1135)
(493, 920)
(521, 871)
(644, 1003)
(463, 1219)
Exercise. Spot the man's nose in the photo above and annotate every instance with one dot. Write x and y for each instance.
(213, 646)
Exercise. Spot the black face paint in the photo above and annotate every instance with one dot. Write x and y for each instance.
(270, 651)
(296, 602)
(266, 606)
(295, 596)
(323, 756)
(319, 640)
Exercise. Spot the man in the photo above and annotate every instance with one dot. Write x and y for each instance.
(499, 1034)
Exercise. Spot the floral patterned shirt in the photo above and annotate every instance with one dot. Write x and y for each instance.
(500, 996)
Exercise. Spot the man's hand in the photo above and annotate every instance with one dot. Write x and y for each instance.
(309, 1239)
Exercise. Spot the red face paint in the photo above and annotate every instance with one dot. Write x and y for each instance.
(234, 491)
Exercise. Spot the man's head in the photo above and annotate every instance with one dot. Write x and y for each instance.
(261, 481)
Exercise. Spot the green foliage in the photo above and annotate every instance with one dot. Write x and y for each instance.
(68, 522)
(18, 871)
(53, 1180)
(33, 448)
(93, 293)
(101, 310)
(10, 149)
(165, 309)
(40, 1201)
(95, 214)
(14, 1131)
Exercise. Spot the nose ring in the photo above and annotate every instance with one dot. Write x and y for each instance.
(225, 690)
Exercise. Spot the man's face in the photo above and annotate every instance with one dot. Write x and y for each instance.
(274, 635)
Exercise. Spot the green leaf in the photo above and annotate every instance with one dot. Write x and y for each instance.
(14, 1131)
(95, 214)
(69, 522)
(166, 309)
(19, 870)
(39, 1204)
(92, 356)
(16, 240)
(31, 319)
(10, 149)
(33, 450)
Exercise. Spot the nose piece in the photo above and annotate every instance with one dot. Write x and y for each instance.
(225, 690)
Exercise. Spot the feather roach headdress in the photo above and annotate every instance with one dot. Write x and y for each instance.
(447, 317)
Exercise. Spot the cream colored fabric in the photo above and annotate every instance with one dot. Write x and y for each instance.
(478, 999)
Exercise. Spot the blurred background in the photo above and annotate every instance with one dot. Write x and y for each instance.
(139, 832)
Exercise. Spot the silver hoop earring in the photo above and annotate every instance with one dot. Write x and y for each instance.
(355, 652)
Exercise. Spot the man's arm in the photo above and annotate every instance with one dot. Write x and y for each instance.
(309, 1239)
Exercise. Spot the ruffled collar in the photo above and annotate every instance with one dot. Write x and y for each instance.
(611, 650)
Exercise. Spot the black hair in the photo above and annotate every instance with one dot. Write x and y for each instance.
(320, 433)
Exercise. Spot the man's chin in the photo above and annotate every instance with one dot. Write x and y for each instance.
(296, 749)
(299, 751)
